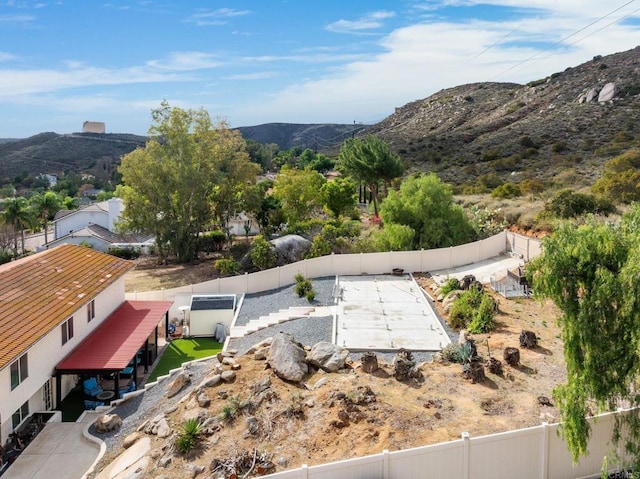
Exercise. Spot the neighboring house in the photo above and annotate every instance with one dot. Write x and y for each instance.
(64, 318)
(237, 225)
(95, 225)
(102, 239)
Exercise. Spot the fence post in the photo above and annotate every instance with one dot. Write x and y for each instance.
(385, 464)
(465, 455)
(544, 473)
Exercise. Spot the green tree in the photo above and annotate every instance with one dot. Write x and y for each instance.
(299, 193)
(370, 161)
(425, 204)
(394, 237)
(19, 216)
(169, 186)
(591, 272)
(262, 253)
(620, 181)
(46, 205)
(568, 204)
(339, 196)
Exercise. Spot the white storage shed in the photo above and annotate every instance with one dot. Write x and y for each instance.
(211, 315)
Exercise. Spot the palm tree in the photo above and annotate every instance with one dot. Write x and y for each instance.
(46, 206)
(17, 214)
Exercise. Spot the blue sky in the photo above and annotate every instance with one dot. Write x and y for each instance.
(296, 61)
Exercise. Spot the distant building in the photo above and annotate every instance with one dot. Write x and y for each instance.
(93, 127)
(52, 179)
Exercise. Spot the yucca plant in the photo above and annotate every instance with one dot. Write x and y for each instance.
(188, 440)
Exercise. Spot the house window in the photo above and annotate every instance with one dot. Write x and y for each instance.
(47, 396)
(19, 371)
(20, 415)
(67, 330)
(91, 310)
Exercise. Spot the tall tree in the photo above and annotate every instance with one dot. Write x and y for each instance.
(46, 205)
(19, 215)
(339, 196)
(169, 184)
(591, 272)
(370, 161)
(425, 204)
(299, 192)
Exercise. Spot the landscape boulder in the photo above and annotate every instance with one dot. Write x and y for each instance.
(107, 422)
(179, 383)
(290, 248)
(327, 356)
(287, 358)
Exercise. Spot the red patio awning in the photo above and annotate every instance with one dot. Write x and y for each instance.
(112, 345)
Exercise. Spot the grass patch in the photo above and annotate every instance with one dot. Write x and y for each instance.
(180, 351)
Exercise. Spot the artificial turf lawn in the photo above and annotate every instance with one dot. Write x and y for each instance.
(182, 350)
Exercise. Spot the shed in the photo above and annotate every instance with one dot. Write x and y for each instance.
(210, 310)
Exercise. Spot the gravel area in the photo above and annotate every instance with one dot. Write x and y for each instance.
(265, 302)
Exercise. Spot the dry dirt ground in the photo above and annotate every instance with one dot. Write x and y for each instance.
(299, 425)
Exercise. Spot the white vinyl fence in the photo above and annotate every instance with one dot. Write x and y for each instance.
(348, 265)
(532, 453)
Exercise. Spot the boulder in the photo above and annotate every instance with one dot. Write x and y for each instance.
(287, 358)
(290, 248)
(327, 356)
(262, 353)
(607, 93)
(204, 400)
(107, 422)
(211, 381)
(592, 95)
(162, 429)
(179, 383)
(228, 376)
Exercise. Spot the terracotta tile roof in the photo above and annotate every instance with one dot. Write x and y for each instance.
(112, 345)
(38, 292)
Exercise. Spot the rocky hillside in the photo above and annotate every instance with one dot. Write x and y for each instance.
(289, 135)
(77, 152)
(575, 119)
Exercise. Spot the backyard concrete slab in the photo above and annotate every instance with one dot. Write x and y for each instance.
(60, 451)
(386, 313)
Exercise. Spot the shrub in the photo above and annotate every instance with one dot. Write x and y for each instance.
(507, 190)
(189, 437)
(304, 288)
(451, 284)
(124, 252)
(484, 319)
(451, 353)
(262, 254)
(212, 241)
(474, 310)
(226, 265)
(567, 204)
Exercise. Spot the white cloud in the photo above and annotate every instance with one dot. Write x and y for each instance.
(185, 61)
(252, 76)
(4, 57)
(216, 17)
(370, 21)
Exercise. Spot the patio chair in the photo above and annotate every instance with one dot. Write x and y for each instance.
(91, 387)
(90, 405)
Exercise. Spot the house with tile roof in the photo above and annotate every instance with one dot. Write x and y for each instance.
(64, 318)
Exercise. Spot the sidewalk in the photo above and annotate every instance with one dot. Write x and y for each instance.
(61, 450)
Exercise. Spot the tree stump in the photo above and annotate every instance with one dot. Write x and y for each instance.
(403, 365)
(511, 356)
(369, 362)
(528, 339)
(474, 371)
(494, 366)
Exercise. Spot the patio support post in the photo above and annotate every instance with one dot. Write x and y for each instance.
(166, 325)
(58, 390)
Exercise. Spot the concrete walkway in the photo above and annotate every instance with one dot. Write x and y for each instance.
(62, 450)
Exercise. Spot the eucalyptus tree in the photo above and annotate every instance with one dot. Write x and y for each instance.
(591, 272)
(170, 187)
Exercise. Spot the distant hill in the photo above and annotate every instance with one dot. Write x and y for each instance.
(50, 152)
(288, 135)
(551, 126)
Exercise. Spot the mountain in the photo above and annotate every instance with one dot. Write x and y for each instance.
(77, 152)
(288, 135)
(553, 125)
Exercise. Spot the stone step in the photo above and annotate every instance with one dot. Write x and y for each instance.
(295, 312)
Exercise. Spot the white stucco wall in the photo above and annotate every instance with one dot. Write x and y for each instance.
(45, 355)
(79, 219)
